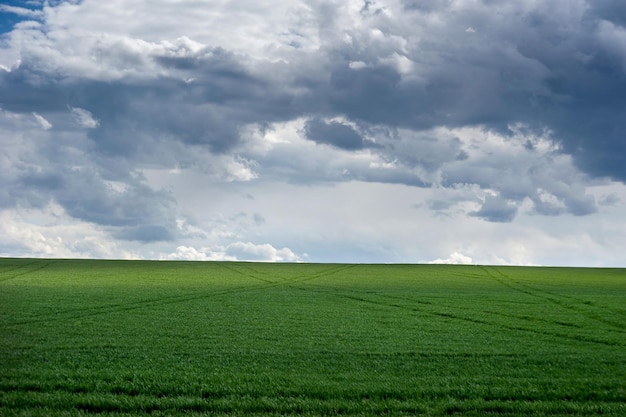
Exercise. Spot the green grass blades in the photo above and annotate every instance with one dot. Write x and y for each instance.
(123, 338)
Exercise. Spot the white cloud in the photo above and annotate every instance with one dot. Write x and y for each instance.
(116, 39)
(50, 233)
(454, 258)
(237, 251)
(21, 11)
(45, 124)
(263, 252)
(186, 253)
(357, 65)
(84, 118)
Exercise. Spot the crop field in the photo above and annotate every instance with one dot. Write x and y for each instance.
(124, 338)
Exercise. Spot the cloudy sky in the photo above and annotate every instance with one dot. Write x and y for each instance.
(317, 130)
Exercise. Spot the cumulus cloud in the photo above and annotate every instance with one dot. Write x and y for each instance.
(237, 251)
(186, 253)
(454, 258)
(42, 167)
(503, 110)
(51, 233)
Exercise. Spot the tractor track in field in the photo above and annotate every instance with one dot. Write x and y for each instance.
(431, 308)
(382, 300)
(321, 274)
(20, 271)
(535, 289)
(257, 275)
(412, 300)
(525, 318)
(78, 313)
(74, 314)
(13, 268)
(556, 299)
(428, 308)
(253, 275)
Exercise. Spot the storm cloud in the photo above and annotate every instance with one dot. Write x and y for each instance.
(336, 134)
(488, 112)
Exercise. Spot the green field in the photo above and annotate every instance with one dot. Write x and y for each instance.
(82, 337)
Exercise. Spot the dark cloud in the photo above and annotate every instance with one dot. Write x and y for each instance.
(145, 233)
(130, 210)
(372, 95)
(540, 66)
(427, 151)
(132, 116)
(26, 89)
(496, 209)
(208, 109)
(426, 5)
(336, 134)
(611, 10)
(59, 166)
(89, 199)
(533, 65)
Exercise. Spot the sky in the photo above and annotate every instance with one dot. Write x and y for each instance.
(366, 131)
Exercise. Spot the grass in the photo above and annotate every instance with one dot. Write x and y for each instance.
(122, 338)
